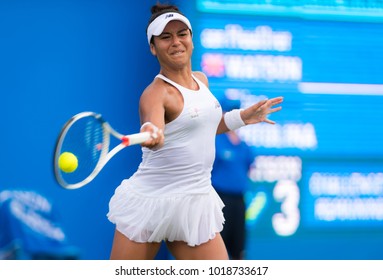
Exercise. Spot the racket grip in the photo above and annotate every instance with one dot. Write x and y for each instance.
(137, 138)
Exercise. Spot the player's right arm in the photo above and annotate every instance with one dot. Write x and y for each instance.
(152, 112)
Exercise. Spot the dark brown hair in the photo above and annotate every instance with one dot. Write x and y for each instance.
(160, 9)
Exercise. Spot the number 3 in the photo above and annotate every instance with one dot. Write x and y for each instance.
(286, 223)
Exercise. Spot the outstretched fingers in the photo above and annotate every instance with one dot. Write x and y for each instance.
(269, 121)
(270, 103)
(276, 109)
(259, 104)
(275, 101)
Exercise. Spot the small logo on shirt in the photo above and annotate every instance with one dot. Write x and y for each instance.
(194, 112)
(217, 105)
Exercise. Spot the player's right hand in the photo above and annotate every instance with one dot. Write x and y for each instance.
(157, 136)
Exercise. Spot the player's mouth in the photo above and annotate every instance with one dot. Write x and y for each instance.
(178, 52)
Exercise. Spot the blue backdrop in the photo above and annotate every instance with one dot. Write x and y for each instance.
(58, 58)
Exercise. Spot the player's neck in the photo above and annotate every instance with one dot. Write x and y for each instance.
(183, 77)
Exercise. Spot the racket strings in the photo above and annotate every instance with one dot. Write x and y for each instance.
(85, 138)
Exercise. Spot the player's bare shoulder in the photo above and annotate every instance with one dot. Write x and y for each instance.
(202, 77)
(156, 90)
(159, 88)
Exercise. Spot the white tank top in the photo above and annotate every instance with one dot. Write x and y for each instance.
(183, 165)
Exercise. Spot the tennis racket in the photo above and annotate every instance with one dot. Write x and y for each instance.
(86, 137)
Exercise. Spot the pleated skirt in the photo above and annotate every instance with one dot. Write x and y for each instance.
(192, 218)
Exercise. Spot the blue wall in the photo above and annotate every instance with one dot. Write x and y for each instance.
(58, 58)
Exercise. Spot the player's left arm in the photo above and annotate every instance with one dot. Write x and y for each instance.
(256, 113)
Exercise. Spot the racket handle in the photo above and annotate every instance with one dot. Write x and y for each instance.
(137, 138)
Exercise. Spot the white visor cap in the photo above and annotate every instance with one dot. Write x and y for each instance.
(157, 26)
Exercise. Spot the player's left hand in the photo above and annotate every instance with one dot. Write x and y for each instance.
(260, 111)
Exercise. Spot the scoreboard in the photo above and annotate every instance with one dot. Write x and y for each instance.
(317, 179)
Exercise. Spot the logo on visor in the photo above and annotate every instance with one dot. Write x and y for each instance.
(169, 15)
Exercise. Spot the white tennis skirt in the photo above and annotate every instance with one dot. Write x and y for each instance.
(192, 218)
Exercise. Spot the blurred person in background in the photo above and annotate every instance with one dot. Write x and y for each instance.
(230, 179)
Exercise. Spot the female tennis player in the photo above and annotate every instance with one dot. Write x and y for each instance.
(170, 197)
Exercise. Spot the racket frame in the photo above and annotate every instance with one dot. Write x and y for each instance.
(106, 154)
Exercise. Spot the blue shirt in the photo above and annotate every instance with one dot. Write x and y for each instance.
(231, 165)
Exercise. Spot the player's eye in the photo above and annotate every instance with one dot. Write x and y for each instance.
(165, 37)
(183, 33)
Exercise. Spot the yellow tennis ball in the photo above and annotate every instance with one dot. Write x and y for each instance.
(68, 162)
